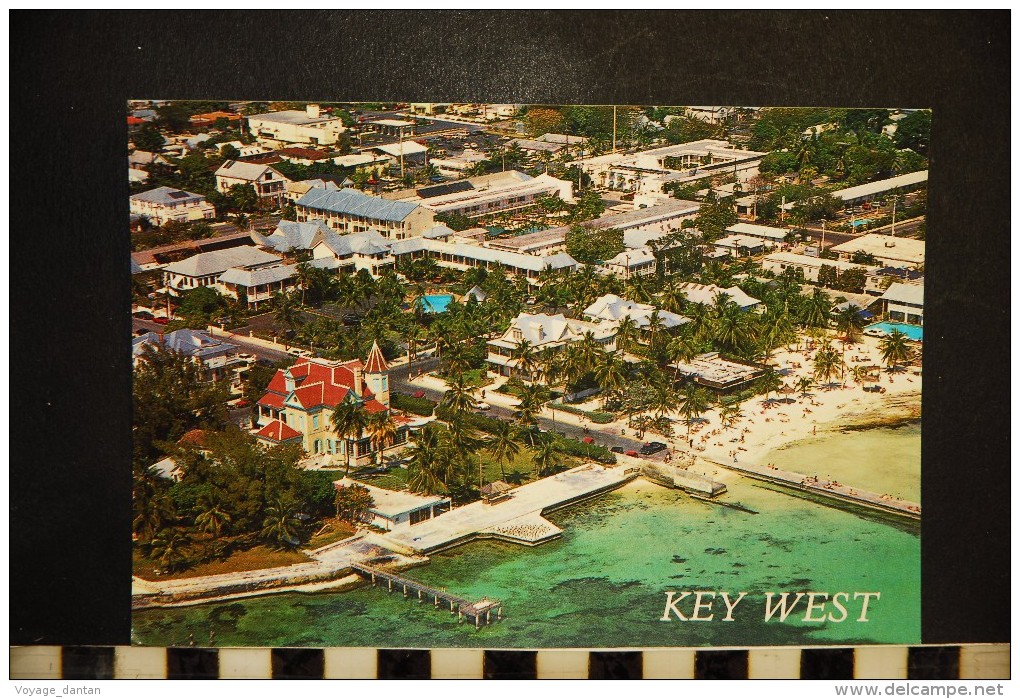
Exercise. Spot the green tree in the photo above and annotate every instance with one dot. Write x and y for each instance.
(353, 503)
(349, 422)
(895, 349)
(592, 245)
(914, 132)
(212, 517)
(502, 445)
(547, 458)
(693, 402)
(280, 525)
(427, 461)
(827, 364)
(169, 549)
(149, 139)
(381, 432)
(849, 322)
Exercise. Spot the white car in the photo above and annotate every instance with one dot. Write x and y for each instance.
(298, 352)
(482, 405)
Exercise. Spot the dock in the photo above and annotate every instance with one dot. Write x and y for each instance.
(828, 489)
(480, 613)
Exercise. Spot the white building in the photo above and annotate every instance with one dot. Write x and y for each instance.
(475, 197)
(780, 262)
(466, 255)
(368, 250)
(393, 509)
(308, 127)
(543, 332)
(904, 303)
(888, 250)
(639, 262)
(351, 211)
(769, 234)
(609, 310)
(205, 268)
(739, 245)
(707, 293)
(268, 183)
(168, 204)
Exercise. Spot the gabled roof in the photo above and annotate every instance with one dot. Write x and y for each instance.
(193, 343)
(478, 294)
(351, 201)
(706, 293)
(614, 308)
(168, 195)
(257, 277)
(376, 363)
(291, 235)
(244, 171)
(219, 261)
(278, 432)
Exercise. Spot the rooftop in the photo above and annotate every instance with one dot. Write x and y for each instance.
(168, 195)
(885, 247)
(219, 261)
(257, 277)
(769, 232)
(391, 503)
(706, 294)
(356, 203)
(865, 190)
(905, 293)
(293, 116)
(243, 170)
(808, 261)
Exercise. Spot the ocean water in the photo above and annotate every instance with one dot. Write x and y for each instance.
(604, 583)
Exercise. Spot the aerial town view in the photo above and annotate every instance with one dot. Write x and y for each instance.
(522, 376)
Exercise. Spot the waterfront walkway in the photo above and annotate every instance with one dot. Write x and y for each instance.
(829, 489)
(518, 518)
(479, 613)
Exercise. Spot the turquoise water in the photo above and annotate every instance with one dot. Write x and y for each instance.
(914, 332)
(860, 222)
(436, 303)
(604, 582)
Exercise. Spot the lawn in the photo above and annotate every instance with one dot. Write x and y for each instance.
(239, 561)
(332, 531)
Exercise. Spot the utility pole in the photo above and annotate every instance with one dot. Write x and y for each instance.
(822, 248)
(400, 136)
(892, 232)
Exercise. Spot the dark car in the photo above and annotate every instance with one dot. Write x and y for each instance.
(143, 315)
(652, 448)
(617, 450)
(351, 319)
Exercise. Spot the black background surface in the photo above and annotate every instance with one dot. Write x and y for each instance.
(71, 74)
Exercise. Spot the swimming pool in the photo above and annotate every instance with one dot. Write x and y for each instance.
(860, 222)
(913, 332)
(435, 303)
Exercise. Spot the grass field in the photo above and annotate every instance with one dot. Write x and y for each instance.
(239, 561)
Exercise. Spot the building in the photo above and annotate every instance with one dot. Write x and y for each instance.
(367, 251)
(475, 197)
(888, 250)
(351, 211)
(303, 156)
(631, 263)
(640, 226)
(458, 165)
(155, 258)
(707, 293)
(309, 127)
(397, 128)
(296, 190)
(904, 303)
(205, 268)
(257, 285)
(543, 333)
(648, 171)
(770, 235)
(268, 183)
(299, 402)
(219, 360)
(143, 158)
(293, 235)
(740, 245)
(361, 162)
(401, 152)
(465, 255)
(716, 373)
(609, 310)
(779, 262)
(168, 204)
(867, 192)
(397, 509)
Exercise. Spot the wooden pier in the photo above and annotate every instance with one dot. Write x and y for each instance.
(829, 489)
(480, 613)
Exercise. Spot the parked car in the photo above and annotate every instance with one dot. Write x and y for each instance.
(419, 394)
(616, 450)
(652, 448)
(588, 440)
(482, 405)
(143, 315)
(298, 352)
(631, 452)
(161, 321)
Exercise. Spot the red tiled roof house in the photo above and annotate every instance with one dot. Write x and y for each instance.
(299, 401)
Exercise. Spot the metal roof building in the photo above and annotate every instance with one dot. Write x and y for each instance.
(352, 202)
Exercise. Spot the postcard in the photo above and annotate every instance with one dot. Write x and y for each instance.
(526, 376)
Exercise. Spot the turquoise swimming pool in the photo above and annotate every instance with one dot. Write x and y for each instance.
(435, 303)
(860, 222)
(914, 332)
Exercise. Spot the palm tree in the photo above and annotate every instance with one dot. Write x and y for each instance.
(828, 363)
(154, 510)
(527, 362)
(859, 373)
(547, 458)
(168, 549)
(849, 322)
(804, 384)
(702, 322)
(458, 396)
(693, 402)
(626, 334)
(427, 461)
(305, 275)
(769, 381)
(286, 312)
(502, 444)
(731, 327)
(280, 525)
(730, 414)
(212, 518)
(664, 399)
(894, 349)
(817, 309)
(349, 422)
(611, 375)
(381, 432)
